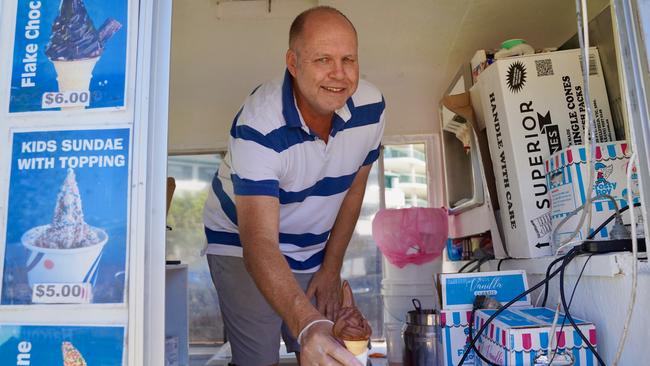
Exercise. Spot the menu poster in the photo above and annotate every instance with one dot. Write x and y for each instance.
(61, 345)
(69, 54)
(67, 217)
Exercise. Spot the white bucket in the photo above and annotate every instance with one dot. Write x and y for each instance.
(413, 273)
(398, 299)
(53, 265)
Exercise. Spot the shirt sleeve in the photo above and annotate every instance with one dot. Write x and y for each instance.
(256, 164)
(373, 154)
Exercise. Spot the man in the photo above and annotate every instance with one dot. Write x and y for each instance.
(288, 194)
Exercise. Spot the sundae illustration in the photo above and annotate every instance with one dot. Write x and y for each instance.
(75, 45)
(351, 327)
(67, 250)
(71, 356)
(68, 229)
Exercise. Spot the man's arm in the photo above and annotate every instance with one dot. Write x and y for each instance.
(258, 221)
(326, 283)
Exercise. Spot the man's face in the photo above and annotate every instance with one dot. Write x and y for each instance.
(323, 63)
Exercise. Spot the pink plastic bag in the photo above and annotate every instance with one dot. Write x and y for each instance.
(410, 235)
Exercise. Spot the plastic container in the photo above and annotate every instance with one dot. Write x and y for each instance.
(397, 298)
(412, 273)
(514, 47)
(394, 343)
(454, 250)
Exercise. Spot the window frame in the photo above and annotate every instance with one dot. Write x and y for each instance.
(222, 153)
(435, 195)
(433, 174)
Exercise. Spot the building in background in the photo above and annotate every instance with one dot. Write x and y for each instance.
(405, 176)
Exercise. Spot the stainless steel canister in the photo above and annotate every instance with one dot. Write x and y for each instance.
(421, 333)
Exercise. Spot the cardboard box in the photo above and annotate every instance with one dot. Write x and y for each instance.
(457, 292)
(479, 62)
(533, 106)
(459, 289)
(517, 336)
(567, 176)
(454, 337)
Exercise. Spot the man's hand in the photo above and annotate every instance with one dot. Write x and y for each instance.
(320, 348)
(326, 287)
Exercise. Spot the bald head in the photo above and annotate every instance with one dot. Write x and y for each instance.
(323, 60)
(318, 13)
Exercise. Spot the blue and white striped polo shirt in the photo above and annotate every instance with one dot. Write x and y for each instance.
(272, 152)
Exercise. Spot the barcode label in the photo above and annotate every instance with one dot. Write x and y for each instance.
(593, 64)
(544, 67)
(542, 225)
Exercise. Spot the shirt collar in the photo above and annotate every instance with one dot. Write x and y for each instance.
(290, 110)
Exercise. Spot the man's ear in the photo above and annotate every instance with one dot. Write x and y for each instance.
(292, 62)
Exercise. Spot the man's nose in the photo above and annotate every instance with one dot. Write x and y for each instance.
(337, 71)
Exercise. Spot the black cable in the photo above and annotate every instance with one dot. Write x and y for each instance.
(477, 267)
(478, 353)
(609, 219)
(501, 261)
(591, 236)
(575, 287)
(467, 265)
(548, 272)
(565, 261)
(570, 254)
(567, 315)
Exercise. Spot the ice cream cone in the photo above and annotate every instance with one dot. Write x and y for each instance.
(357, 347)
(363, 357)
(351, 327)
(76, 45)
(75, 75)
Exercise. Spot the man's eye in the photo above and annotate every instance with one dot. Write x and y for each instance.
(349, 60)
(322, 60)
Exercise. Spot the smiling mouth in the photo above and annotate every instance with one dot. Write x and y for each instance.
(334, 90)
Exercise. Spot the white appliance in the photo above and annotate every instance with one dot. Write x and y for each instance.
(466, 174)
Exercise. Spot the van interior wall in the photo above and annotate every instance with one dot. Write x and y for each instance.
(410, 49)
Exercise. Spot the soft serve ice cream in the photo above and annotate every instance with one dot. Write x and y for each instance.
(75, 45)
(72, 356)
(351, 327)
(68, 229)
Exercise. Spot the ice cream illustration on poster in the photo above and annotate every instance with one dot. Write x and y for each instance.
(61, 345)
(67, 249)
(71, 355)
(67, 217)
(69, 54)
